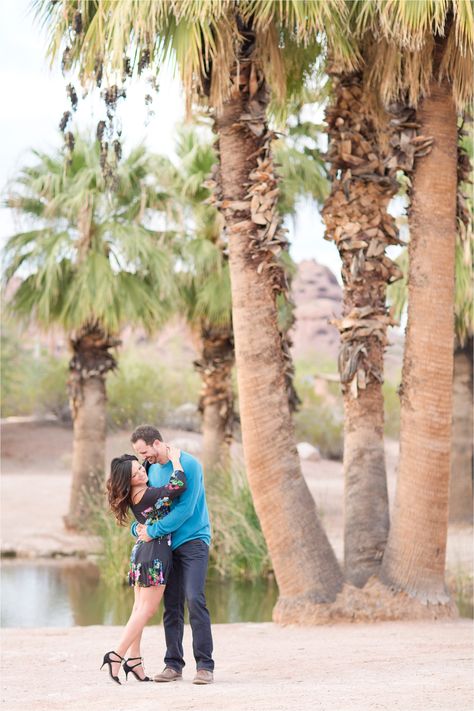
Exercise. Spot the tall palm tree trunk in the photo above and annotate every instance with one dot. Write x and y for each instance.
(305, 566)
(217, 399)
(460, 490)
(88, 368)
(363, 183)
(414, 559)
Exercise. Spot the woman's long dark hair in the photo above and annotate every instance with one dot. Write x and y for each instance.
(119, 486)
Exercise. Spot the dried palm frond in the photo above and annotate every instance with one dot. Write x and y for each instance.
(403, 61)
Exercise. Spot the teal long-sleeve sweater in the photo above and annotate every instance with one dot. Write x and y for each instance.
(189, 517)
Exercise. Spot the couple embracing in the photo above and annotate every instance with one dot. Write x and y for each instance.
(166, 495)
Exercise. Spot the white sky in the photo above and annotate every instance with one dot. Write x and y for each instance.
(34, 99)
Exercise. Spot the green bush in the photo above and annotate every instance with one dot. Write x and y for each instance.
(238, 547)
(392, 410)
(140, 391)
(33, 381)
(52, 390)
(116, 543)
(319, 419)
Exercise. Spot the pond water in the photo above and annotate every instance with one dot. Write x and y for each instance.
(65, 594)
(69, 593)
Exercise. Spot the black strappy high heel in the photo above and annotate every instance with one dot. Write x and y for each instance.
(108, 660)
(127, 668)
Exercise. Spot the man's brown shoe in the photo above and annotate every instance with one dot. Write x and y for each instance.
(203, 676)
(168, 674)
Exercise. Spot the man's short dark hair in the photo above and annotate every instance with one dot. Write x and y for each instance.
(147, 433)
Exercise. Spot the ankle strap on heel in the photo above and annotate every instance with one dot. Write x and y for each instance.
(120, 659)
(134, 666)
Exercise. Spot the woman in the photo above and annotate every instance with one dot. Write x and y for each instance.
(150, 562)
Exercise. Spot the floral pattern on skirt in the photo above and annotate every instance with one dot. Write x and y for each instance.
(144, 572)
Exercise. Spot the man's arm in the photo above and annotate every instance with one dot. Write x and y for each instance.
(179, 514)
(182, 510)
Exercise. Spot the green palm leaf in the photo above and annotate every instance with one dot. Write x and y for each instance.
(92, 260)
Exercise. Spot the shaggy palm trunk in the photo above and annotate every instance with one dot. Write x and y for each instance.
(217, 400)
(363, 183)
(414, 559)
(88, 368)
(460, 491)
(305, 566)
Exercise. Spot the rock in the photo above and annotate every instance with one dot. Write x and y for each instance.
(307, 452)
(318, 299)
(186, 417)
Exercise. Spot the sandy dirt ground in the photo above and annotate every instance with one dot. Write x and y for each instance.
(259, 667)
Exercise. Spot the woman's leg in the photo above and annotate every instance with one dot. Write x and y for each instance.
(134, 650)
(143, 609)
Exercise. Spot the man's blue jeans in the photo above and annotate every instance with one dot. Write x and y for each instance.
(187, 582)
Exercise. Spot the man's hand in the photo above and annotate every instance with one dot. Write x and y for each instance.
(174, 454)
(142, 534)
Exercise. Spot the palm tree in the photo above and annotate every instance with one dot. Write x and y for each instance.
(205, 283)
(90, 267)
(356, 217)
(460, 494)
(204, 286)
(423, 55)
(228, 51)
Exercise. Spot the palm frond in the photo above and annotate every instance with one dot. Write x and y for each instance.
(402, 58)
(70, 268)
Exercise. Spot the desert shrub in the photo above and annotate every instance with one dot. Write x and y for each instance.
(15, 361)
(460, 583)
(144, 391)
(116, 543)
(392, 409)
(33, 381)
(316, 424)
(238, 547)
(134, 394)
(52, 390)
(319, 419)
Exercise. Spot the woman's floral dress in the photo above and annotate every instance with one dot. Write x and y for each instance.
(150, 562)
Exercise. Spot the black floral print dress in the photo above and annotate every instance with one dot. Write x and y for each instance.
(150, 562)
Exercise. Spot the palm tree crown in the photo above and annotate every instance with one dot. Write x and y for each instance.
(91, 260)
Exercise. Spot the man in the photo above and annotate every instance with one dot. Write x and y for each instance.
(188, 521)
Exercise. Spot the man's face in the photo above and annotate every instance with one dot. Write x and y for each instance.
(156, 453)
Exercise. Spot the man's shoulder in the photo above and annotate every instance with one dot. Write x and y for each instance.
(190, 461)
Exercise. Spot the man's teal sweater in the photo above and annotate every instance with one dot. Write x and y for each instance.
(189, 517)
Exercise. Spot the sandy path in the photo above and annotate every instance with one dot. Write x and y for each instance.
(259, 667)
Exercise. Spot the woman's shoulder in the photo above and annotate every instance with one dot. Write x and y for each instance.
(142, 499)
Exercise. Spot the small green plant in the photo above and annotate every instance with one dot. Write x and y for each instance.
(392, 409)
(145, 388)
(461, 585)
(319, 419)
(116, 546)
(33, 381)
(238, 547)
